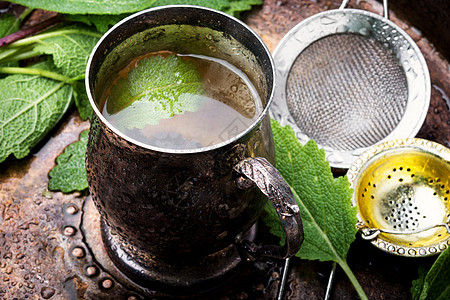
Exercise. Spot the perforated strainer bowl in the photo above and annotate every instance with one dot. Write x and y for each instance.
(350, 79)
(402, 193)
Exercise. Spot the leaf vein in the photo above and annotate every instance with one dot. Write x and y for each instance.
(32, 103)
(313, 220)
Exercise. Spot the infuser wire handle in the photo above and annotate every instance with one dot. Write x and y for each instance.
(385, 7)
(371, 233)
(283, 279)
(330, 281)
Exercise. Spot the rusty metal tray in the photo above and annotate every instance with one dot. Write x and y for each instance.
(43, 248)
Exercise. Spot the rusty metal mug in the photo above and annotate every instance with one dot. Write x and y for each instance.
(171, 219)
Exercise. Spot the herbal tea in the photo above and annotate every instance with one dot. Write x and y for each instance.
(178, 101)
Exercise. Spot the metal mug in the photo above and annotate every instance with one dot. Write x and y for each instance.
(171, 219)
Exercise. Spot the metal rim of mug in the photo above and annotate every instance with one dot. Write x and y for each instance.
(269, 98)
(284, 57)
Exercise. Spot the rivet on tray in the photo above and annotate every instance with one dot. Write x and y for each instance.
(422, 251)
(91, 270)
(412, 252)
(432, 250)
(107, 283)
(69, 231)
(78, 252)
(71, 209)
(401, 251)
(381, 245)
(391, 248)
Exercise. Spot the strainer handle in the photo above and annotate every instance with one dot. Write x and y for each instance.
(258, 171)
(385, 7)
(371, 233)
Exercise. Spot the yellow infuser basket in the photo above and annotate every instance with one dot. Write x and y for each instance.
(402, 193)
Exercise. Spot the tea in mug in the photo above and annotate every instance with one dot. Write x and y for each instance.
(178, 101)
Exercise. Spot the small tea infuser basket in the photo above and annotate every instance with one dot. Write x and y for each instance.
(350, 79)
(401, 189)
(402, 192)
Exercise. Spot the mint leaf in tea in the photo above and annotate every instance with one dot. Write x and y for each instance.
(159, 80)
(178, 101)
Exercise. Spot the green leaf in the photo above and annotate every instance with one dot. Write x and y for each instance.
(82, 100)
(105, 7)
(418, 284)
(324, 201)
(88, 6)
(232, 7)
(156, 89)
(8, 24)
(101, 22)
(434, 285)
(104, 22)
(70, 48)
(70, 172)
(114, 7)
(9, 64)
(236, 7)
(30, 106)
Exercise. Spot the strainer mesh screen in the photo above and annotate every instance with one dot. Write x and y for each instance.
(346, 91)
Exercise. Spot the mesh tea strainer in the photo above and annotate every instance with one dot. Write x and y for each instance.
(350, 79)
(402, 193)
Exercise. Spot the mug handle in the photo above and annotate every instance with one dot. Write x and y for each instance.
(258, 171)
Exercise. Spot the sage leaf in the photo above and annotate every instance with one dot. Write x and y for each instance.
(236, 7)
(324, 201)
(158, 88)
(434, 284)
(8, 24)
(232, 7)
(81, 100)
(88, 6)
(70, 172)
(101, 22)
(114, 7)
(70, 48)
(30, 106)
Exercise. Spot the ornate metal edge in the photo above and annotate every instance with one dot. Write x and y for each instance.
(364, 160)
(367, 24)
